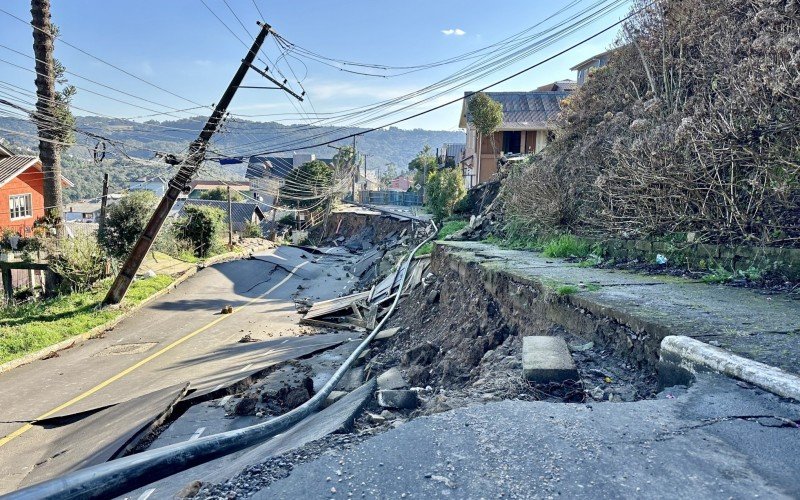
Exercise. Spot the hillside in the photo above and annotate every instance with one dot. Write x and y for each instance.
(393, 145)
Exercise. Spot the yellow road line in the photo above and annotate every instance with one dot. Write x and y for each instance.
(25, 428)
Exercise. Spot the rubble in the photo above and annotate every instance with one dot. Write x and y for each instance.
(398, 398)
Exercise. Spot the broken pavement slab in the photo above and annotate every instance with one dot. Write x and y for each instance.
(547, 359)
(648, 308)
(98, 437)
(398, 398)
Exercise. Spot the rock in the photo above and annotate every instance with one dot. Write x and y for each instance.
(375, 418)
(387, 334)
(432, 297)
(190, 490)
(333, 397)
(400, 399)
(352, 379)
(295, 397)
(547, 359)
(227, 310)
(247, 406)
(391, 379)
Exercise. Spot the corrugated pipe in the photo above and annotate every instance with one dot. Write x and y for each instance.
(114, 478)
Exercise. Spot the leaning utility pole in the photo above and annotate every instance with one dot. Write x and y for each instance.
(46, 117)
(181, 180)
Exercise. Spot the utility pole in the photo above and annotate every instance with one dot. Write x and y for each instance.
(103, 204)
(230, 219)
(181, 180)
(49, 150)
(363, 193)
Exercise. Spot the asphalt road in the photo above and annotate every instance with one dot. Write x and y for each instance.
(718, 440)
(179, 338)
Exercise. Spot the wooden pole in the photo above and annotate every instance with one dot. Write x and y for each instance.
(103, 204)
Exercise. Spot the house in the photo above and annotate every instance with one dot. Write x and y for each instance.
(21, 191)
(268, 173)
(401, 183)
(241, 212)
(526, 126)
(157, 185)
(198, 187)
(82, 211)
(585, 67)
(451, 154)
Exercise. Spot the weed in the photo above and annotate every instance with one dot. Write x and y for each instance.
(425, 249)
(567, 290)
(717, 275)
(566, 245)
(447, 229)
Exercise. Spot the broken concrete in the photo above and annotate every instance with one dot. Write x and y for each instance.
(547, 359)
(398, 398)
(392, 379)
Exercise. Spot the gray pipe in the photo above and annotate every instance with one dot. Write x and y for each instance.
(114, 478)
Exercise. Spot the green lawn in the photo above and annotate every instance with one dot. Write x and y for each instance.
(36, 325)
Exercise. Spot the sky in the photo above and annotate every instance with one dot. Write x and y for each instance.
(180, 46)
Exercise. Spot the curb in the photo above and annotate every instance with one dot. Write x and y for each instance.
(696, 357)
(108, 325)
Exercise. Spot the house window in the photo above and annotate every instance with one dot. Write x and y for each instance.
(20, 206)
(512, 141)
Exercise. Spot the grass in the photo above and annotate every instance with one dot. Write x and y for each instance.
(447, 229)
(35, 325)
(567, 290)
(566, 245)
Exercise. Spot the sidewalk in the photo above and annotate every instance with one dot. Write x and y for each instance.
(760, 327)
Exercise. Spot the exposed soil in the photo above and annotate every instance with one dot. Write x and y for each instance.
(463, 350)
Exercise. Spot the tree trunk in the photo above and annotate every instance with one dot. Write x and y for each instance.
(49, 151)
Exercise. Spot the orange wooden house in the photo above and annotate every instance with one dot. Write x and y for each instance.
(21, 191)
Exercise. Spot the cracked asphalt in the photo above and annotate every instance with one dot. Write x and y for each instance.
(717, 439)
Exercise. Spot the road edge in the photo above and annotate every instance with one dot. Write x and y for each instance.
(108, 325)
(694, 356)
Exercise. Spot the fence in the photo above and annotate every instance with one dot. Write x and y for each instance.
(401, 198)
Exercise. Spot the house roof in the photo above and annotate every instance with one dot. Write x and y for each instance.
(241, 212)
(83, 207)
(260, 166)
(591, 61)
(235, 185)
(12, 166)
(559, 86)
(5, 152)
(160, 180)
(523, 110)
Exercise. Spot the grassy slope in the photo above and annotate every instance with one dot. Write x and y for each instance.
(33, 326)
(447, 229)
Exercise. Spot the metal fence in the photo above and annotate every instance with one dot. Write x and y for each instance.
(401, 198)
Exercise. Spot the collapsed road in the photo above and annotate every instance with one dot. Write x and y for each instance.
(181, 338)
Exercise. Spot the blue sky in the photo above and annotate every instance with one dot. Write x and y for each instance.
(180, 46)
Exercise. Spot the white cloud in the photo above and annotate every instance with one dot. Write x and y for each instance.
(454, 31)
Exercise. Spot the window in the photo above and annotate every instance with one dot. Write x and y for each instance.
(20, 206)
(512, 142)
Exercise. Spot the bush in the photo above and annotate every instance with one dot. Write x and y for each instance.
(203, 227)
(169, 241)
(79, 261)
(288, 220)
(444, 190)
(125, 221)
(221, 194)
(690, 127)
(252, 230)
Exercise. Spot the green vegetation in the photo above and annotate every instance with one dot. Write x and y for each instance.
(447, 229)
(35, 325)
(486, 114)
(203, 227)
(567, 290)
(444, 190)
(306, 186)
(80, 261)
(566, 245)
(721, 275)
(125, 221)
(252, 230)
(221, 194)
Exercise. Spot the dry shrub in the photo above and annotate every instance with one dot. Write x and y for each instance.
(692, 126)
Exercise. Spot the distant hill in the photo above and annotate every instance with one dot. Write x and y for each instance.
(393, 145)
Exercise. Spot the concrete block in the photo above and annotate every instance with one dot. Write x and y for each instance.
(547, 359)
(400, 399)
(391, 379)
